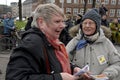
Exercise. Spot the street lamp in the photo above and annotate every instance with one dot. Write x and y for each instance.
(20, 10)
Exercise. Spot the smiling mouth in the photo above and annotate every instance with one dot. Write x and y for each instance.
(88, 30)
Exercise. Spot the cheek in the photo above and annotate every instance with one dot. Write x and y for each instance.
(89, 30)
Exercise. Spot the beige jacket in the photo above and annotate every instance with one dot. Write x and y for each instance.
(101, 56)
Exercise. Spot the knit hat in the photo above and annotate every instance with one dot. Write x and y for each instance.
(93, 15)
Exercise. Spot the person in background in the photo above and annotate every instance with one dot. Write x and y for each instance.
(102, 9)
(75, 29)
(9, 25)
(91, 47)
(78, 18)
(105, 26)
(115, 29)
(41, 56)
(64, 36)
(2, 25)
(29, 22)
(104, 21)
(4, 16)
(68, 21)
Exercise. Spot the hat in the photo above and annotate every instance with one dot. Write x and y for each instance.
(93, 14)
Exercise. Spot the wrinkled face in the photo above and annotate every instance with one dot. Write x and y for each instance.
(104, 17)
(115, 20)
(88, 27)
(53, 27)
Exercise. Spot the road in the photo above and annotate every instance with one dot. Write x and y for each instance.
(4, 58)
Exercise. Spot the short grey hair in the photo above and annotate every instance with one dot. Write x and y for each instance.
(46, 11)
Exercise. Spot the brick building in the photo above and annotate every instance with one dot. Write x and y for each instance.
(77, 6)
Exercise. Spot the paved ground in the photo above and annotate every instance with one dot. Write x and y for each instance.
(4, 58)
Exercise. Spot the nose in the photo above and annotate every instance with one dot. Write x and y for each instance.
(87, 25)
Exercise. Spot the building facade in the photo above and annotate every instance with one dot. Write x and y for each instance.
(14, 7)
(4, 9)
(75, 6)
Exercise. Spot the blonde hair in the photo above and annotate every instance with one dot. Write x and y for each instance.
(46, 11)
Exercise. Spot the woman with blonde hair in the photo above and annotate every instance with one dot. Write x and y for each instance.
(41, 56)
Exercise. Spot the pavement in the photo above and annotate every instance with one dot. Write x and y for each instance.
(4, 58)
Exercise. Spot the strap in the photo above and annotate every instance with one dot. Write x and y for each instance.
(47, 61)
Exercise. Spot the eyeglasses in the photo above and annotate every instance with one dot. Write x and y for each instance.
(90, 23)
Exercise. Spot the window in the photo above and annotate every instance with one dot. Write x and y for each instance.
(61, 1)
(52, 1)
(113, 2)
(112, 13)
(76, 1)
(98, 2)
(69, 1)
(68, 10)
(118, 12)
(90, 1)
(119, 2)
(82, 11)
(82, 2)
(106, 1)
(75, 11)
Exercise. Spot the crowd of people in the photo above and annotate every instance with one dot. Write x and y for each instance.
(55, 46)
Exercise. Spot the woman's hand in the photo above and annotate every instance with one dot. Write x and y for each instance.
(67, 76)
(84, 76)
(76, 69)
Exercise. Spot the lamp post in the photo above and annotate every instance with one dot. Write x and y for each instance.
(20, 10)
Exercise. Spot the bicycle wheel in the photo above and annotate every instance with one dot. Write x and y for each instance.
(6, 43)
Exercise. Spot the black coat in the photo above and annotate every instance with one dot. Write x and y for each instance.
(102, 11)
(28, 24)
(105, 23)
(28, 61)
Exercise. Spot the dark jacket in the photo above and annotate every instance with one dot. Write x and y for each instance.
(29, 61)
(102, 10)
(28, 24)
(64, 36)
(105, 23)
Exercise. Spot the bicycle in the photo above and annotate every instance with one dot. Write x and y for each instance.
(9, 42)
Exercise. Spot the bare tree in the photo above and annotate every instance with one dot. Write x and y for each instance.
(93, 3)
(85, 5)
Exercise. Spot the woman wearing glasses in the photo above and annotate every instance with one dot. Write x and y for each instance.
(91, 47)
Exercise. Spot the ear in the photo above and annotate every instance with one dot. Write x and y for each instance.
(40, 21)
